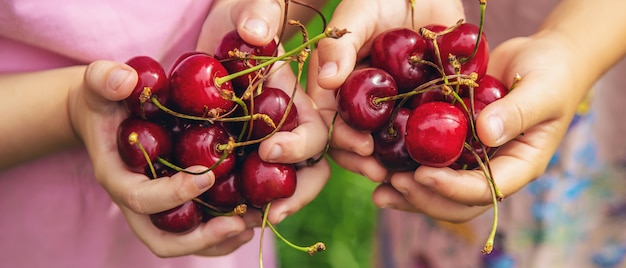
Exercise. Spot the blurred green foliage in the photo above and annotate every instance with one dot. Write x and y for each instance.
(342, 216)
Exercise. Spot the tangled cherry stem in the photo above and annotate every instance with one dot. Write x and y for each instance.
(313, 161)
(483, 8)
(226, 151)
(332, 32)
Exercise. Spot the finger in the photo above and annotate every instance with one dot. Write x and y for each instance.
(366, 166)
(431, 203)
(111, 81)
(227, 232)
(311, 180)
(343, 137)
(514, 165)
(145, 196)
(521, 109)
(308, 138)
(258, 21)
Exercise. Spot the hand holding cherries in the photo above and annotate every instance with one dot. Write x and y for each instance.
(419, 97)
(214, 111)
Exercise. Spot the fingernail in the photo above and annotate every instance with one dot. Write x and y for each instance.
(403, 191)
(328, 70)
(275, 153)
(117, 77)
(233, 234)
(497, 127)
(256, 26)
(202, 181)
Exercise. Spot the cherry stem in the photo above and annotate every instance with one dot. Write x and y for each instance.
(133, 139)
(492, 189)
(315, 248)
(313, 161)
(483, 7)
(329, 32)
(179, 115)
(179, 169)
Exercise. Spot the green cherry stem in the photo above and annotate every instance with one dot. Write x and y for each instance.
(483, 8)
(330, 32)
(313, 161)
(133, 139)
(315, 248)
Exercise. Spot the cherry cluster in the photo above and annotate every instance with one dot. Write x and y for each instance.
(420, 95)
(213, 111)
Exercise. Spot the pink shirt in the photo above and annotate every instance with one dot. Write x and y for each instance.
(53, 212)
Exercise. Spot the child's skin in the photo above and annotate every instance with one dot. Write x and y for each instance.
(561, 61)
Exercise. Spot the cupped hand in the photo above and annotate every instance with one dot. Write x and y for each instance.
(258, 22)
(96, 112)
(527, 125)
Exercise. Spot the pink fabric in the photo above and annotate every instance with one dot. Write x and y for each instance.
(52, 211)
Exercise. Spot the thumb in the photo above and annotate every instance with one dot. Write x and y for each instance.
(108, 81)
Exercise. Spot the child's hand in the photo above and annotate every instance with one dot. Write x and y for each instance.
(95, 113)
(258, 22)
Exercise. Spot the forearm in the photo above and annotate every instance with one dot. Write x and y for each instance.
(34, 107)
(595, 30)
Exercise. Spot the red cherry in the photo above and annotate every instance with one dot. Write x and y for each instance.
(193, 87)
(198, 145)
(263, 182)
(460, 42)
(150, 76)
(272, 102)
(428, 96)
(436, 132)
(180, 219)
(489, 89)
(390, 149)
(225, 192)
(155, 140)
(356, 99)
(180, 58)
(232, 41)
(396, 51)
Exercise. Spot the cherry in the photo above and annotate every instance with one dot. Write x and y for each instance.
(461, 42)
(357, 99)
(263, 182)
(135, 137)
(224, 193)
(230, 42)
(198, 145)
(435, 134)
(389, 147)
(397, 51)
(182, 57)
(489, 89)
(428, 96)
(152, 82)
(272, 102)
(193, 87)
(180, 219)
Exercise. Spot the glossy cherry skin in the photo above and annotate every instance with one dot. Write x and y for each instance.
(152, 77)
(356, 99)
(180, 219)
(263, 182)
(193, 86)
(180, 58)
(428, 96)
(225, 192)
(489, 90)
(460, 42)
(272, 102)
(435, 134)
(390, 148)
(467, 158)
(396, 51)
(197, 145)
(232, 41)
(155, 140)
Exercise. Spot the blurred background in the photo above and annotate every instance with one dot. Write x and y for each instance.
(342, 216)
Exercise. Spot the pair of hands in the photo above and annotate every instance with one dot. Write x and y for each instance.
(543, 60)
(95, 114)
